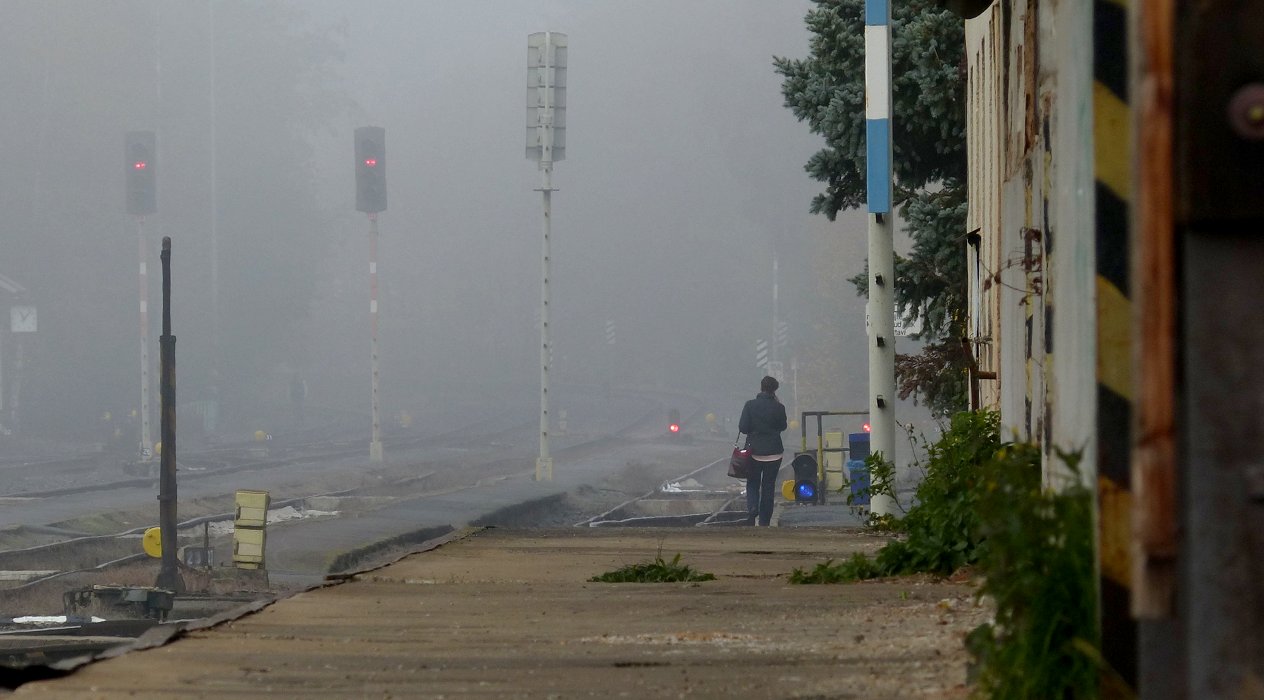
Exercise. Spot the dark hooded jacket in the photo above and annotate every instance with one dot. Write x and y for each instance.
(763, 419)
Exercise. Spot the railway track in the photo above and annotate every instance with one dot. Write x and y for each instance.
(100, 472)
(97, 473)
(703, 496)
(75, 638)
(77, 553)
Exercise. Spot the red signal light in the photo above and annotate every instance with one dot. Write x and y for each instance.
(867, 428)
(674, 427)
(370, 162)
(140, 165)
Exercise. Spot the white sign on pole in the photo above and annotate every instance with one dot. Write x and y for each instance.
(903, 326)
(777, 370)
(906, 326)
(22, 319)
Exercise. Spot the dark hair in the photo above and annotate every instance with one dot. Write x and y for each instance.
(769, 385)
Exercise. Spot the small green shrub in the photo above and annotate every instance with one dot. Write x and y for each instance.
(1039, 569)
(941, 530)
(658, 571)
(854, 569)
(982, 503)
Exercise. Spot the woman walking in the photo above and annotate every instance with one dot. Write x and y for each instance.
(763, 419)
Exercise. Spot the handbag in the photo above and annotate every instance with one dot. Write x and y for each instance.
(740, 462)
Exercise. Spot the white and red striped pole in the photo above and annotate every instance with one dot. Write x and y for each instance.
(146, 443)
(375, 443)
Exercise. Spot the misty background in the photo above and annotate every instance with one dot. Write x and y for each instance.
(683, 175)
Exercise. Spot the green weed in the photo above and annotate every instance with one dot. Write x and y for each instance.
(941, 532)
(856, 568)
(658, 571)
(1038, 567)
(981, 503)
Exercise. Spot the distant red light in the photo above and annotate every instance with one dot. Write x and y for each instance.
(370, 162)
(140, 165)
(674, 428)
(867, 428)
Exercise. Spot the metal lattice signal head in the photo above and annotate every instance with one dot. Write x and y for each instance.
(546, 96)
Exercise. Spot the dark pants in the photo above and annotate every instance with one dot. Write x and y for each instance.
(761, 487)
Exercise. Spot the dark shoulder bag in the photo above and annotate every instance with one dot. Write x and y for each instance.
(740, 462)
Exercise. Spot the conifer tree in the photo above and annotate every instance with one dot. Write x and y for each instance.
(827, 91)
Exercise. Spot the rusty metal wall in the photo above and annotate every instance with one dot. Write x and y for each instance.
(1044, 85)
(1030, 198)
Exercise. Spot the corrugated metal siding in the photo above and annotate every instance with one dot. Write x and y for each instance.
(1027, 143)
(984, 152)
(1061, 206)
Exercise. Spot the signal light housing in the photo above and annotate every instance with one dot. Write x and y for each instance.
(140, 172)
(370, 155)
(806, 488)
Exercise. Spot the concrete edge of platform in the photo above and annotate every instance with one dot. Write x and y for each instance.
(426, 539)
(507, 515)
(361, 558)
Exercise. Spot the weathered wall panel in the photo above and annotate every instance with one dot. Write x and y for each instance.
(1030, 132)
(1054, 225)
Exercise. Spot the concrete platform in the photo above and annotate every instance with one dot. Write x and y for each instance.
(829, 515)
(501, 613)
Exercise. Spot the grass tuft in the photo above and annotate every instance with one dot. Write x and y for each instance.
(657, 571)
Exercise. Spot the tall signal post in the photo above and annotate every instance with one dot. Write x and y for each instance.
(370, 153)
(546, 144)
(216, 363)
(140, 198)
(774, 356)
(881, 306)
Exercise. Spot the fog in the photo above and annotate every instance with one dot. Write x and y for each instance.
(683, 177)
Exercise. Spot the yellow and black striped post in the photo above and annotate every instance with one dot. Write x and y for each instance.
(1113, 189)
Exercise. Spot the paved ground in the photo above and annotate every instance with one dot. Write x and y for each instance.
(505, 613)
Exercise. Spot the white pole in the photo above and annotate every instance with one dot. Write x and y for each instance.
(146, 441)
(881, 306)
(214, 195)
(794, 374)
(881, 350)
(375, 442)
(544, 464)
(773, 356)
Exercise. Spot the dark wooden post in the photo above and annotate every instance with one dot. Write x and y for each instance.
(1199, 447)
(169, 575)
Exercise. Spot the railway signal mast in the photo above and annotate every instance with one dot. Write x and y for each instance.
(546, 144)
(140, 170)
(370, 169)
(881, 310)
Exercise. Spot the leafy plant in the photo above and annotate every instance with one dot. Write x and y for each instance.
(881, 483)
(1039, 570)
(982, 503)
(856, 568)
(657, 571)
(941, 531)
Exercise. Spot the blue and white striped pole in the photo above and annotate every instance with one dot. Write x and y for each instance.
(881, 307)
